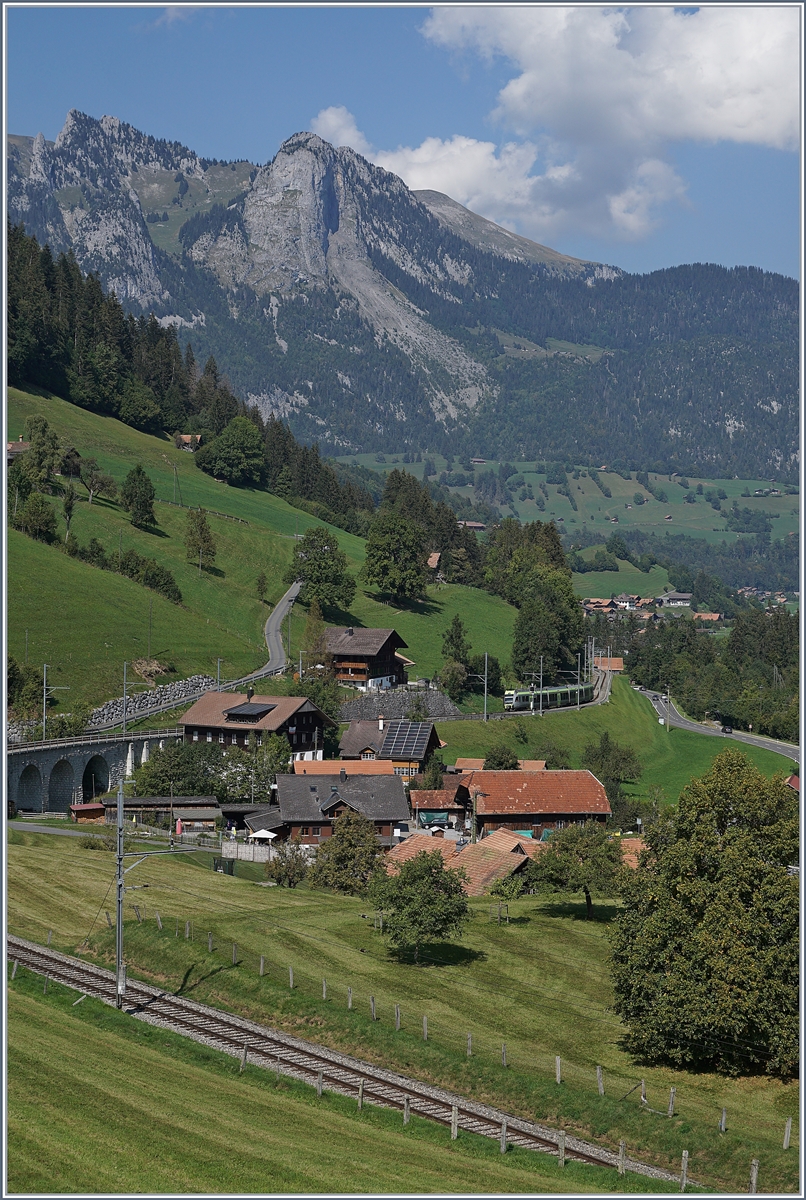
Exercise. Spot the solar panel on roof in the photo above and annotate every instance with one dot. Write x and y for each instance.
(250, 711)
(406, 739)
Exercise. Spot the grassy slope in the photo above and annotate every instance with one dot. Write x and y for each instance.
(698, 520)
(222, 601)
(627, 579)
(169, 1134)
(540, 984)
(670, 757)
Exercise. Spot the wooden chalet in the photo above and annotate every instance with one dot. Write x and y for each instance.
(228, 718)
(308, 806)
(366, 659)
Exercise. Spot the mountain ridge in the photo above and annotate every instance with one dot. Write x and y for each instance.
(369, 315)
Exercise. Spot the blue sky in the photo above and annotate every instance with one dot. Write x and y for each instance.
(643, 137)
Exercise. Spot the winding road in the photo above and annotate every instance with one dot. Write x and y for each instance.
(666, 709)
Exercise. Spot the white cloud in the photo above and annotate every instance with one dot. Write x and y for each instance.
(596, 97)
(173, 13)
(337, 126)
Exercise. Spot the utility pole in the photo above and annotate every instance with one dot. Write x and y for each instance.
(26, 647)
(541, 685)
(579, 681)
(121, 981)
(218, 675)
(485, 685)
(150, 612)
(124, 698)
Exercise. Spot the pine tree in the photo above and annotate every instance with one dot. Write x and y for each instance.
(199, 542)
(137, 497)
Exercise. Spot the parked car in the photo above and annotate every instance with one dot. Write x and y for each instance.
(727, 729)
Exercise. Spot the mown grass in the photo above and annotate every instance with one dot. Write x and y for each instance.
(150, 1111)
(220, 616)
(670, 758)
(627, 579)
(539, 984)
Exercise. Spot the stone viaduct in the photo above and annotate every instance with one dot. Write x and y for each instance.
(45, 777)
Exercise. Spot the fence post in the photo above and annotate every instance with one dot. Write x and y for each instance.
(372, 1007)
(137, 914)
(159, 919)
(622, 1155)
(504, 1054)
(787, 1130)
(454, 1122)
(561, 1149)
(425, 1028)
(753, 1177)
(319, 1083)
(643, 1091)
(684, 1171)
(397, 1016)
(599, 1081)
(290, 977)
(108, 920)
(16, 964)
(45, 988)
(723, 1121)
(558, 1068)
(234, 953)
(176, 931)
(504, 1136)
(672, 1094)
(262, 964)
(406, 1110)
(324, 989)
(187, 932)
(243, 1057)
(50, 935)
(349, 997)
(360, 1094)
(469, 1044)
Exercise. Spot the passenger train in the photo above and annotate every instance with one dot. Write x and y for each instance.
(564, 696)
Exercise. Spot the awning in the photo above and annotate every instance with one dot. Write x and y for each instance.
(262, 833)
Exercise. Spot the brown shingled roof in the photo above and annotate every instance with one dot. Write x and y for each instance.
(631, 847)
(523, 792)
(211, 710)
(429, 798)
(485, 862)
(510, 842)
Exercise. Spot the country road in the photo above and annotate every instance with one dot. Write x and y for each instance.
(274, 629)
(666, 709)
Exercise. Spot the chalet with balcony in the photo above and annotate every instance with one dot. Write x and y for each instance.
(366, 659)
(228, 718)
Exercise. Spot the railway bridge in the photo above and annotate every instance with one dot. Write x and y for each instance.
(49, 776)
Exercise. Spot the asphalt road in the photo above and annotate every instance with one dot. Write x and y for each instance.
(668, 711)
(273, 630)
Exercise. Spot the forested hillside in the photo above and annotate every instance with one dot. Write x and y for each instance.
(376, 325)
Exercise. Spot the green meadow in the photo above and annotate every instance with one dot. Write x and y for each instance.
(538, 983)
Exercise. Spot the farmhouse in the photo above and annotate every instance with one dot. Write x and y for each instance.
(195, 812)
(674, 600)
(308, 807)
(228, 718)
(366, 659)
(485, 862)
(535, 800)
(407, 744)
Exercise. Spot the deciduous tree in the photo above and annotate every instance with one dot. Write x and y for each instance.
(348, 860)
(137, 497)
(455, 642)
(395, 559)
(501, 758)
(96, 481)
(289, 863)
(705, 955)
(320, 565)
(199, 541)
(582, 858)
(422, 901)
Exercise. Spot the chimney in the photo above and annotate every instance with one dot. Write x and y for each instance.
(250, 691)
(380, 723)
(350, 631)
(342, 776)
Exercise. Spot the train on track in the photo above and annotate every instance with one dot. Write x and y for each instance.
(566, 695)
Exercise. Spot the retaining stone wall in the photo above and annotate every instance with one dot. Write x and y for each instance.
(143, 702)
(395, 704)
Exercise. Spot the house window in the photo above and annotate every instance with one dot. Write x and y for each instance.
(404, 771)
(209, 735)
(195, 735)
(316, 830)
(260, 739)
(368, 754)
(221, 737)
(559, 825)
(305, 831)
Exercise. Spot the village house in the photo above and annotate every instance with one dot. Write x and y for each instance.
(534, 801)
(407, 744)
(228, 718)
(307, 807)
(495, 857)
(366, 659)
(197, 813)
(15, 449)
(674, 600)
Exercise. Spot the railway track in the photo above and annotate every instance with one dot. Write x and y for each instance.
(313, 1064)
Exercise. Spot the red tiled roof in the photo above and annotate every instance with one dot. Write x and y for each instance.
(608, 664)
(510, 842)
(486, 862)
(794, 782)
(470, 764)
(536, 792)
(429, 798)
(414, 845)
(351, 766)
(631, 847)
